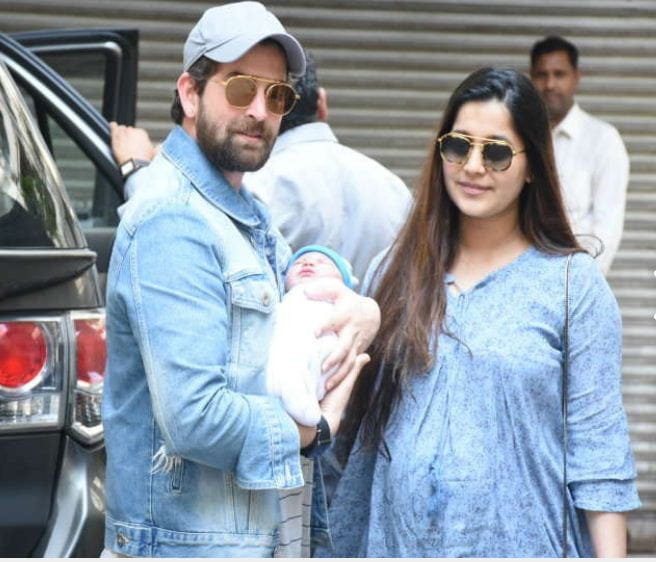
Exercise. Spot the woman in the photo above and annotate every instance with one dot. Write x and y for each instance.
(457, 423)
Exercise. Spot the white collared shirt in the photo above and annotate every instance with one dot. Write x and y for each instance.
(593, 167)
(319, 191)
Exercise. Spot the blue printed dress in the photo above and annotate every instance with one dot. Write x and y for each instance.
(476, 443)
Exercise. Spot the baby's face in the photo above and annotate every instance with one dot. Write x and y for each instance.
(313, 265)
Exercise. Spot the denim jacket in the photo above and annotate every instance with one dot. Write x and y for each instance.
(195, 449)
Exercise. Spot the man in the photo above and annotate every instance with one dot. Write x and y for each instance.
(322, 192)
(317, 190)
(591, 159)
(196, 451)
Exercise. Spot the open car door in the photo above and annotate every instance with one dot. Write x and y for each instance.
(89, 78)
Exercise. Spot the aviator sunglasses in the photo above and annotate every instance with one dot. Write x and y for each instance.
(497, 154)
(241, 89)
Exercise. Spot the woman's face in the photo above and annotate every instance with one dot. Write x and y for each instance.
(477, 191)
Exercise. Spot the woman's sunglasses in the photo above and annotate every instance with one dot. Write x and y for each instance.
(241, 90)
(497, 154)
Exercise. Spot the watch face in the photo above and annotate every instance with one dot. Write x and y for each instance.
(127, 167)
(131, 166)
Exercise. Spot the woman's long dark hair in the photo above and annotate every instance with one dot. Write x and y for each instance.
(410, 284)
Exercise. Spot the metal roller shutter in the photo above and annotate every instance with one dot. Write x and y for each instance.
(389, 67)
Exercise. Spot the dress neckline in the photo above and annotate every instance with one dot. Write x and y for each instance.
(450, 279)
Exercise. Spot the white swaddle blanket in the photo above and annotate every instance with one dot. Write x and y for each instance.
(296, 354)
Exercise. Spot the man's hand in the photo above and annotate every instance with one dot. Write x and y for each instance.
(130, 142)
(355, 320)
(334, 402)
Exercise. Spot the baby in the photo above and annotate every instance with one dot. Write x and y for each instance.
(296, 353)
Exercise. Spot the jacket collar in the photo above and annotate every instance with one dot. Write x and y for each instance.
(185, 154)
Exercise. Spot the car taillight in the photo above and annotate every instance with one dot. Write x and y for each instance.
(31, 374)
(49, 365)
(23, 355)
(91, 349)
(91, 355)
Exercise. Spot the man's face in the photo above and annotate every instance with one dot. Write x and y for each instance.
(240, 139)
(557, 81)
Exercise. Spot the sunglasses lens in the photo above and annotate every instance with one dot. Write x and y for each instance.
(455, 149)
(240, 91)
(497, 156)
(281, 98)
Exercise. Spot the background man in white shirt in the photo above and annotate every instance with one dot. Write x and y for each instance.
(322, 192)
(591, 159)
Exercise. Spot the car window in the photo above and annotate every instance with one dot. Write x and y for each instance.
(92, 198)
(90, 192)
(85, 71)
(32, 213)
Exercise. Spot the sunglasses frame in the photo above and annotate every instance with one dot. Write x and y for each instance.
(482, 142)
(271, 83)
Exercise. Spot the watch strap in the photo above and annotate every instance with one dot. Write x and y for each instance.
(322, 440)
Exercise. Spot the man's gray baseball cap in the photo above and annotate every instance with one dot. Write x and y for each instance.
(225, 33)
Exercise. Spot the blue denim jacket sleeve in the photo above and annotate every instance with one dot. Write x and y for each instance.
(601, 471)
(176, 301)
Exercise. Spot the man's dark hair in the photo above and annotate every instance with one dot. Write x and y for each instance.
(305, 110)
(555, 43)
(200, 71)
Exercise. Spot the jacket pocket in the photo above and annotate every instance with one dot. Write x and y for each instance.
(253, 511)
(255, 292)
(176, 476)
(253, 300)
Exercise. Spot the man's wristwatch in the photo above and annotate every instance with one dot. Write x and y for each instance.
(321, 441)
(130, 166)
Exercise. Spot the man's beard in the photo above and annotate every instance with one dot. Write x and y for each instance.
(224, 152)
